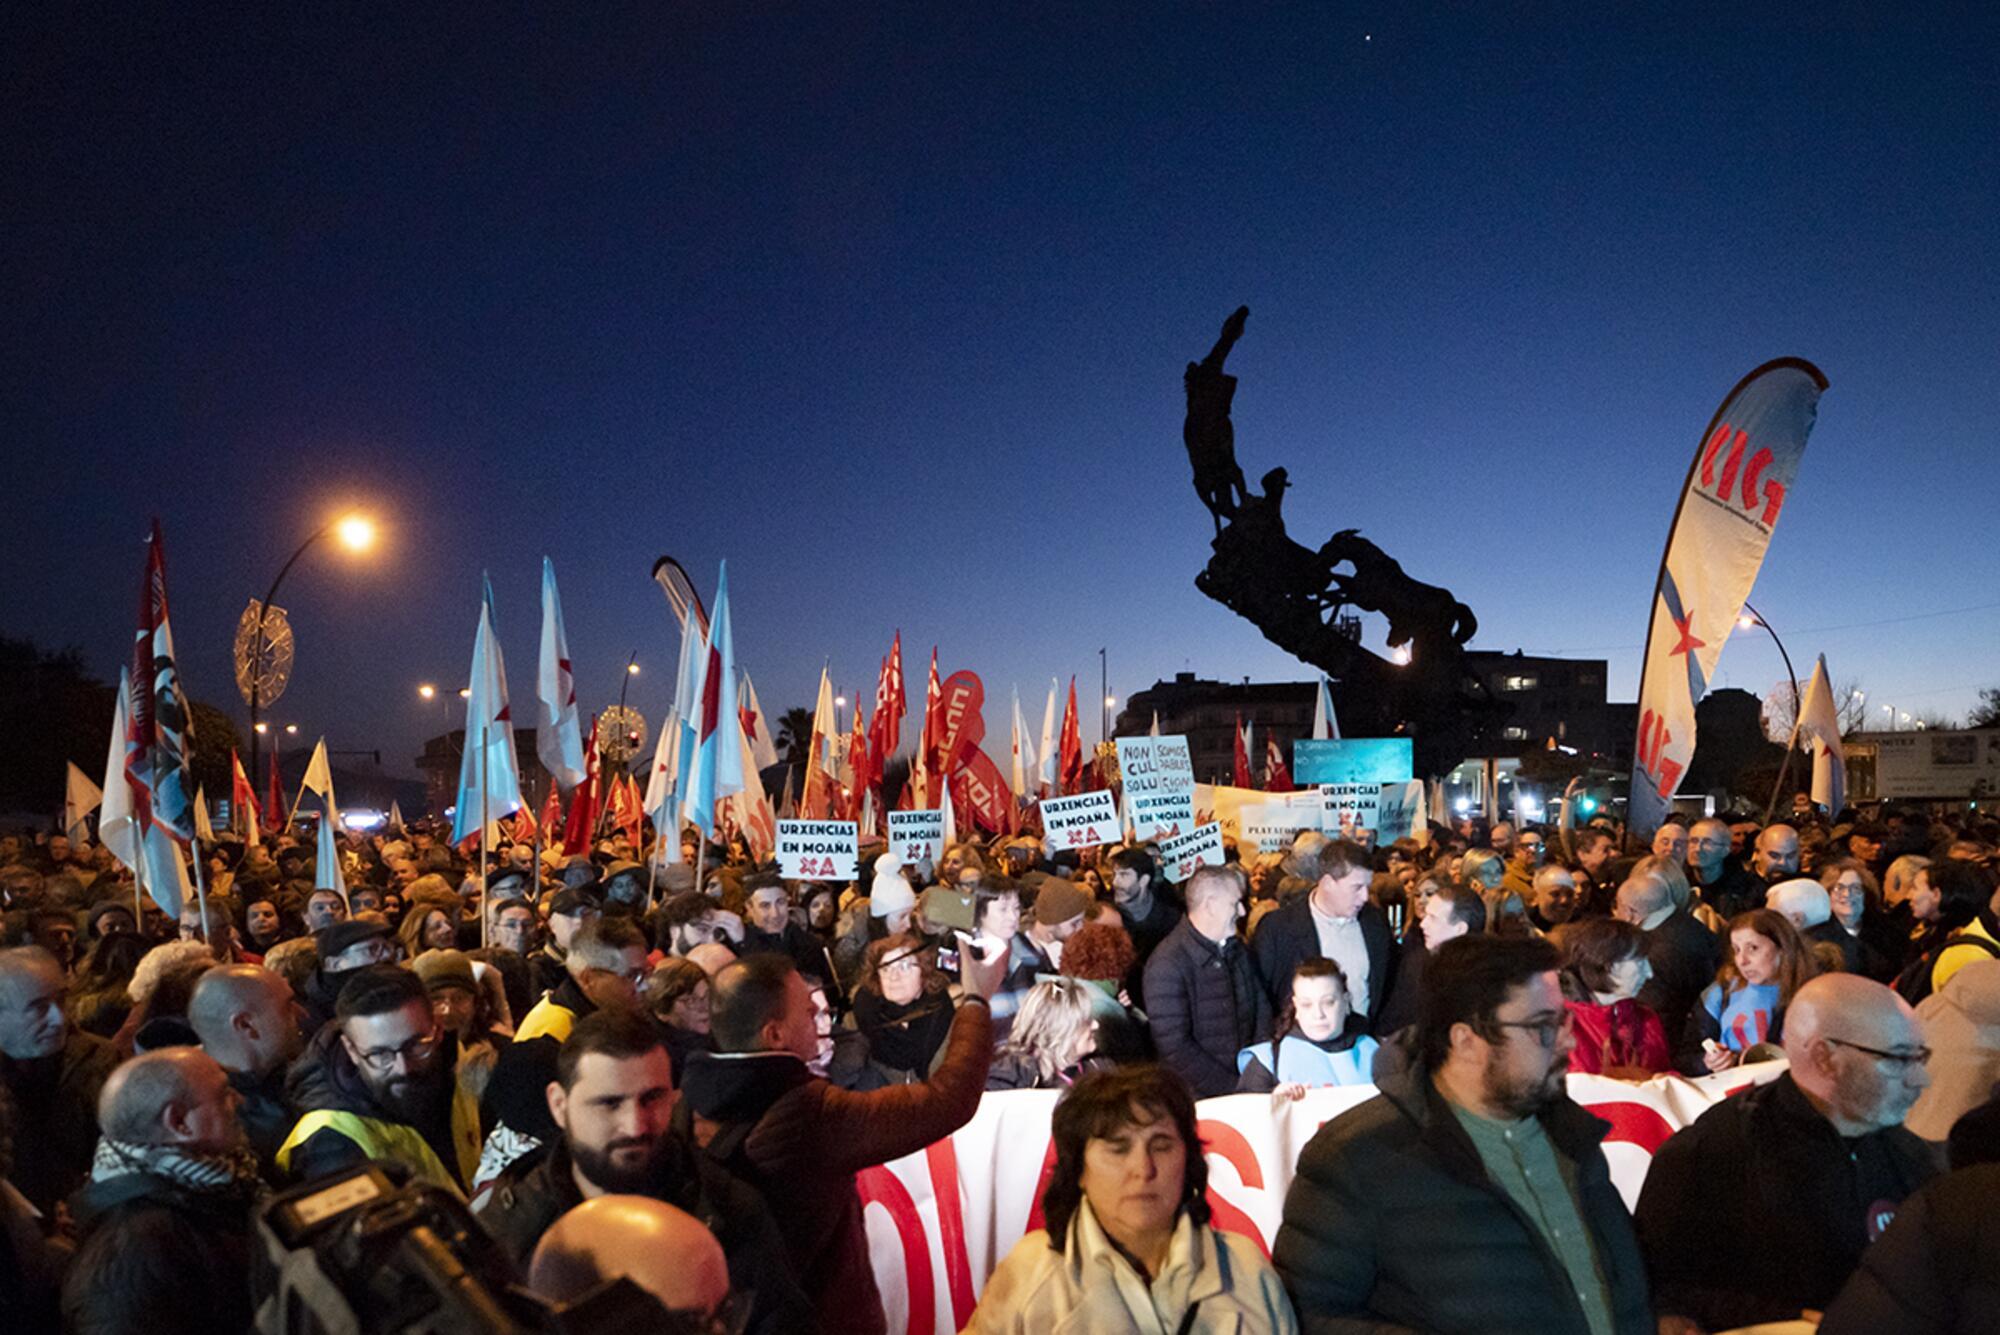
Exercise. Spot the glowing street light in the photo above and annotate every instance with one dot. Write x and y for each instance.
(260, 727)
(356, 532)
(632, 668)
(465, 692)
(291, 730)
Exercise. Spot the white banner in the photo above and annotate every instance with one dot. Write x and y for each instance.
(1082, 821)
(1270, 827)
(916, 835)
(817, 850)
(1348, 809)
(1158, 778)
(939, 1221)
(1199, 847)
(1742, 473)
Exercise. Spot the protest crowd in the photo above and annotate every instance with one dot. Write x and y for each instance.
(631, 1070)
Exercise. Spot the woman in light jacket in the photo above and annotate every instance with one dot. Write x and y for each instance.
(1128, 1249)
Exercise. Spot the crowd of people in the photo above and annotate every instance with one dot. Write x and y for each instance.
(582, 1044)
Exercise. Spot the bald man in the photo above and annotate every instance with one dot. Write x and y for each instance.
(248, 1020)
(663, 1250)
(52, 1071)
(165, 1221)
(1761, 1208)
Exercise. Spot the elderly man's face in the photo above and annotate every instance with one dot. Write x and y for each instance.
(1777, 852)
(1876, 1088)
(1671, 841)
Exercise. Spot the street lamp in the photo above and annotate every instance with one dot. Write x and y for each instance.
(427, 691)
(1752, 617)
(291, 730)
(355, 532)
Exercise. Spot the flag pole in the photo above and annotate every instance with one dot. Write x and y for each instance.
(537, 887)
(201, 888)
(485, 918)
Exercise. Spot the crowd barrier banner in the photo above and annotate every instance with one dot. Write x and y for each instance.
(940, 1221)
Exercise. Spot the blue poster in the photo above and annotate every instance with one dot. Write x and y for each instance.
(1353, 760)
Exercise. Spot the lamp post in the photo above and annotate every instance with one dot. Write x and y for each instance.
(1104, 693)
(1752, 617)
(357, 534)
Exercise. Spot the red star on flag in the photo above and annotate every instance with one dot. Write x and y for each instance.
(1688, 643)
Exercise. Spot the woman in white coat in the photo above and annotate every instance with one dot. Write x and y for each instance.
(1128, 1249)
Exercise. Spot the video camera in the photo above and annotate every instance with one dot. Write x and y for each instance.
(368, 1252)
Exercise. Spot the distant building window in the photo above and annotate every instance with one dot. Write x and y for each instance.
(1516, 734)
(1517, 683)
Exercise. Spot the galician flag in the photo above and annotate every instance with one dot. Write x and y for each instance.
(717, 769)
(204, 828)
(1023, 750)
(489, 781)
(757, 728)
(816, 803)
(117, 824)
(327, 874)
(80, 798)
(558, 727)
(1326, 724)
(1819, 720)
(1045, 776)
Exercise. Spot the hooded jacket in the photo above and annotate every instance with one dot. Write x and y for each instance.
(1393, 1224)
(1935, 1270)
(522, 1206)
(1962, 1025)
(801, 1140)
(340, 1123)
(147, 1240)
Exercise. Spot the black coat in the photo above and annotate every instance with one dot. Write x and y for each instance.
(266, 1117)
(522, 1205)
(1684, 955)
(1393, 1224)
(158, 1259)
(1935, 1270)
(55, 1116)
(1286, 936)
(1759, 1210)
(1146, 934)
(1206, 1004)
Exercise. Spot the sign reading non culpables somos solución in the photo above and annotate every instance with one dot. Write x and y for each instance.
(1082, 821)
(916, 835)
(817, 850)
(1158, 778)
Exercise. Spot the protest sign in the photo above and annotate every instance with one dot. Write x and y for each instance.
(817, 850)
(1270, 827)
(1158, 778)
(1373, 760)
(1398, 810)
(916, 835)
(1199, 847)
(1081, 821)
(1349, 808)
(939, 1220)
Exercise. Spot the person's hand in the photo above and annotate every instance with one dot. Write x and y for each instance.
(1679, 1325)
(1287, 1094)
(1125, 998)
(981, 975)
(1717, 1059)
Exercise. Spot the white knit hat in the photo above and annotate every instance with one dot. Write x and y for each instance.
(889, 892)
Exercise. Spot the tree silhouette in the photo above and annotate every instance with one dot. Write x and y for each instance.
(793, 737)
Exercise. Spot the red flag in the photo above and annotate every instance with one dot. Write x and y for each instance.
(886, 731)
(551, 821)
(583, 803)
(927, 742)
(523, 831)
(1242, 778)
(1070, 770)
(242, 797)
(861, 763)
(626, 807)
(274, 801)
(1277, 775)
(980, 794)
(961, 721)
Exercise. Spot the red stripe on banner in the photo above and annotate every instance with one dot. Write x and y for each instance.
(1035, 1218)
(1222, 1141)
(878, 1186)
(943, 1160)
(1633, 1124)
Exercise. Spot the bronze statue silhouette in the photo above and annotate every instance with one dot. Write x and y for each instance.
(1296, 595)
(1208, 433)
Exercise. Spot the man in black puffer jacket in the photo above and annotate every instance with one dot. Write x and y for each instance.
(166, 1217)
(1935, 1269)
(1472, 1195)
(1203, 996)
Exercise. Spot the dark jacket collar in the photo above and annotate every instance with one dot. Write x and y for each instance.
(740, 1087)
(1406, 1082)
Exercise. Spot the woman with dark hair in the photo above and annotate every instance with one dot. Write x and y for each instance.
(1604, 966)
(429, 926)
(902, 1006)
(1856, 903)
(677, 992)
(1744, 1007)
(1318, 1040)
(99, 1000)
(1127, 1245)
(267, 920)
(1954, 898)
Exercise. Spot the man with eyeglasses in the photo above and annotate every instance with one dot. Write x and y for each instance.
(1471, 1194)
(1760, 1210)
(605, 967)
(381, 1082)
(1725, 885)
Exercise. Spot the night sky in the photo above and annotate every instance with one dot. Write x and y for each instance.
(889, 307)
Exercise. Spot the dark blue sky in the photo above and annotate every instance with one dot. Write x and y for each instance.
(889, 307)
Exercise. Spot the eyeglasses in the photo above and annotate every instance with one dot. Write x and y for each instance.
(1921, 1057)
(1546, 1031)
(634, 976)
(415, 1050)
